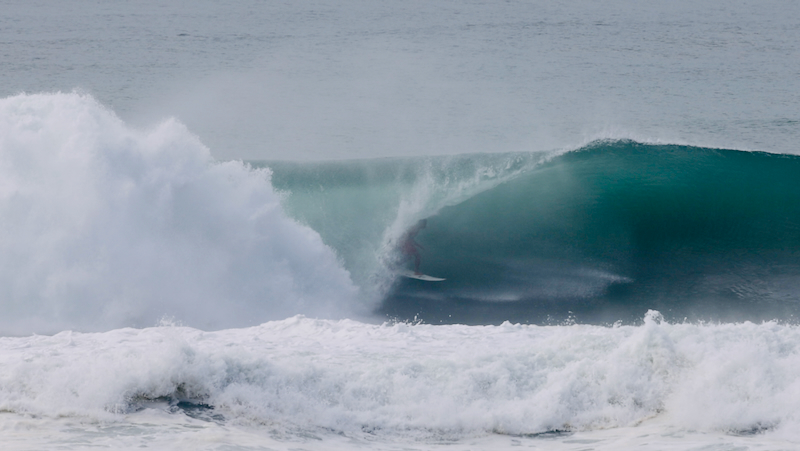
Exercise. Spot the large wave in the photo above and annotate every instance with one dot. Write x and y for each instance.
(599, 234)
(104, 226)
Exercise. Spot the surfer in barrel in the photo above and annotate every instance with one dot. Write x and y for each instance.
(410, 247)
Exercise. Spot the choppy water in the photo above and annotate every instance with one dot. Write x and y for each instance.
(610, 192)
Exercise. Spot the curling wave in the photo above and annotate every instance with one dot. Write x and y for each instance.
(602, 233)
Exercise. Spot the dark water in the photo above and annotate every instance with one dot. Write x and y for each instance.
(603, 234)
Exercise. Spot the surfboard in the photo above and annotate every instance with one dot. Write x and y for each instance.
(425, 277)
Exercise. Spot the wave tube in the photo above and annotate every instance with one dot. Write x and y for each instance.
(611, 230)
(599, 234)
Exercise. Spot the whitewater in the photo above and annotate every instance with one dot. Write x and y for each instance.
(110, 227)
(202, 205)
(324, 384)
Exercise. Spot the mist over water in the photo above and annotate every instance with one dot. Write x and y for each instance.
(105, 226)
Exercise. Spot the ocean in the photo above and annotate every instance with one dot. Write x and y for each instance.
(203, 208)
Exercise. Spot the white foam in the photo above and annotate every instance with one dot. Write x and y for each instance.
(105, 226)
(421, 382)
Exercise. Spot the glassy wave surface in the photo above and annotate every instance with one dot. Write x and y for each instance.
(601, 233)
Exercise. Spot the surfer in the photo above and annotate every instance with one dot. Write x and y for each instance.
(410, 247)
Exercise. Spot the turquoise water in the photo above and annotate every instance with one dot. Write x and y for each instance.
(602, 233)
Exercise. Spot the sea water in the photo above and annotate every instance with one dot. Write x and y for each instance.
(201, 204)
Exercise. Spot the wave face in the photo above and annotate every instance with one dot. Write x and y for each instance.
(599, 234)
(103, 226)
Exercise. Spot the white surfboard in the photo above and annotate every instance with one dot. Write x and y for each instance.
(425, 277)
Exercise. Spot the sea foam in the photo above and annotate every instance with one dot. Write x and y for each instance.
(105, 226)
(419, 382)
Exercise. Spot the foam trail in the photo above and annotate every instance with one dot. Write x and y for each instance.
(103, 226)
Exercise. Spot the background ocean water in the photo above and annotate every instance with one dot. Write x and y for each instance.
(200, 204)
(321, 80)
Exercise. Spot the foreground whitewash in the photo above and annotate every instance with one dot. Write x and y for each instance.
(329, 384)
